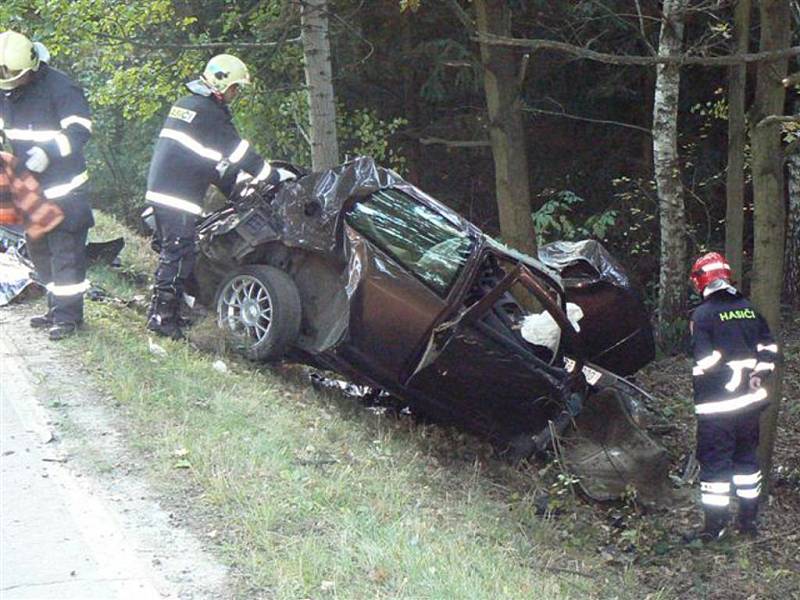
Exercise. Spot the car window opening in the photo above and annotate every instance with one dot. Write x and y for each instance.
(423, 241)
(508, 313)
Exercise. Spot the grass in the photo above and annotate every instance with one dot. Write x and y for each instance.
(313, 496)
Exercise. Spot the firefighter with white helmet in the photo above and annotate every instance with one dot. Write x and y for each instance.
(734, 353)
(197, 146)
(46, 120)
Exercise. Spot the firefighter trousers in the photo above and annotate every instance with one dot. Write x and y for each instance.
(177, 242)
(60, 261)
(726, 451)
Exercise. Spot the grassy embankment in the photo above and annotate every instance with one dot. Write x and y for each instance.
(309, 495)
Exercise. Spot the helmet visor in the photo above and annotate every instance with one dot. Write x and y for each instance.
(9, 78)
(6, 73)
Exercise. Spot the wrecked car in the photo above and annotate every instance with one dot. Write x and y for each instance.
(356, 271)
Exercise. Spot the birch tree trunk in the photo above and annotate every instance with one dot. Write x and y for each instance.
(768, 193)
(506, 128)
(792, 278)
(319, 80)
(673, 272)
(737, 83)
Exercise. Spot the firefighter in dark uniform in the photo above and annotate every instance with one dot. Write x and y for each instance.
(46, 120)
(198, 146)
(734, 353)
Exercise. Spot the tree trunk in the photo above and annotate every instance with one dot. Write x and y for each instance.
(791, 286)
(737, 83)
(412, 149)
(768, 192)
(322, 108)
(506, 128)
(791, 280)
(673, 275)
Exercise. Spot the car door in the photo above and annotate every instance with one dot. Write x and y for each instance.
(404, 259)
(479, 372)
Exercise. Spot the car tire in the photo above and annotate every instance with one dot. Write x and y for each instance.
(259, 308)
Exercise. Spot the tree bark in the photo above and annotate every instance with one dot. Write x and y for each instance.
(319, 79)
(506, 128)
(673, 271)
(737, 83)
(791, 286)
(413, 148)
(768, 192)
(791, 280)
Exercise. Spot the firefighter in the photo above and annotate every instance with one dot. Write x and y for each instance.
(734, 353)
(197, 146)
(46, 120)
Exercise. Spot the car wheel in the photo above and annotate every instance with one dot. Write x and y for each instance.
(259, 306)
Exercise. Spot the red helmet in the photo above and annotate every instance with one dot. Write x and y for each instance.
(708, 268)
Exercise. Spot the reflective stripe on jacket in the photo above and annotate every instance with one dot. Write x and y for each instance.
(731, 342)
(52, 113)
(198, 146)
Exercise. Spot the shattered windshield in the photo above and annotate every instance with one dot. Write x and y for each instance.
(426, 243)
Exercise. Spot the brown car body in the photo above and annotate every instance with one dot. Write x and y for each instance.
(399, 292)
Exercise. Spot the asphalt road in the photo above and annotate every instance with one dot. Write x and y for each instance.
(69, 532)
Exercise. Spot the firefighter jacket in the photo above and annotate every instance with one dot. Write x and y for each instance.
(52, 113)
(199, 146)
(731, 342)
(21, 201)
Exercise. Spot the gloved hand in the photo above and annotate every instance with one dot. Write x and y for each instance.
(37, 160)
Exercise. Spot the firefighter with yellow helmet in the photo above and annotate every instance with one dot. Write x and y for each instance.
(197, 146)
(45, 119)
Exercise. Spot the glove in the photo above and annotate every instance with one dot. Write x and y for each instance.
(37, 160)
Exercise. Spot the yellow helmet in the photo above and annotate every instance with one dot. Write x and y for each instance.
(225, 70)
(18, 56)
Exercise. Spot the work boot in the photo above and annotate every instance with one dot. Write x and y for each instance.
(165, 328)
(163, 316)
(714, 529)
(746, 520)
(59, 331)
(41, 321)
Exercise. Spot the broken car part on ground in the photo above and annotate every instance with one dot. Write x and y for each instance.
(357, 271)
(17, 274)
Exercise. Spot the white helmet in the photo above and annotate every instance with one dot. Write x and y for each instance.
(18, 56)
(225, 70)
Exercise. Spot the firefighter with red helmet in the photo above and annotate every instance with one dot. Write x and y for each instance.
(734, 353)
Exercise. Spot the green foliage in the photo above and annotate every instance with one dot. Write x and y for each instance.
(556, 219)
(133, 57)
(362, 132)
(637, 232)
